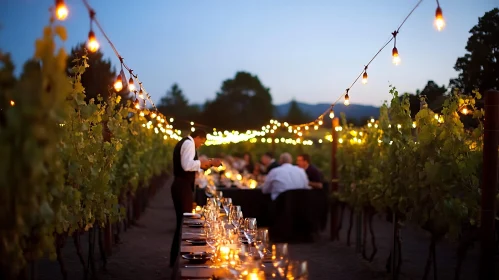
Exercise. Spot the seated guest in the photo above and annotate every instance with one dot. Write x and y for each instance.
(313, 174)
(268, 162)
(284, 178)
(248, 163)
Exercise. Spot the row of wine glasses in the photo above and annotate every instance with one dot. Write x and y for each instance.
(233, 228)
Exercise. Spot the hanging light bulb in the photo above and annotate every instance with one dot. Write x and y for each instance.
(395, 56)
(12, 103)
(92, 44)
(364, 78)
(131, 84)
(136, 103)
(331, 114)
(118, 84)
(141, 93)
(439, 18)
(347, 100)
(61, 10)
(395, 52)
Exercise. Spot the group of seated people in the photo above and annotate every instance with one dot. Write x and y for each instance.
(280, 175)
(284, 176)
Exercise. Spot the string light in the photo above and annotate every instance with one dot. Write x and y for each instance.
(92, 44)
(439, 18)
(118, 84)
(464, 111)
(364, 76)
(395, 52)
(141, 93)
(131, 83)
(331, 114)
(347, 98)
(61, 10)
(12, 103)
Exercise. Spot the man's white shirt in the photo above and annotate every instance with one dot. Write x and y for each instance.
(283, 178)
(187, 153)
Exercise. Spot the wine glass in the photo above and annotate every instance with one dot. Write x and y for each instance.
(250, 229)
(262, 241)
(280, 257)
(227, 203)
(297, 270)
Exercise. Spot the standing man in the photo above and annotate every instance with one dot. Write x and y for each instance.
(185, 166)
(313, 174)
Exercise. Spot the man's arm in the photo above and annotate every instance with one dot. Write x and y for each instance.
(267, 185)
(187, 153)
(315, 185)
(315, 179)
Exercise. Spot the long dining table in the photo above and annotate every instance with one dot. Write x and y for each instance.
(209, 271)
(186, 270)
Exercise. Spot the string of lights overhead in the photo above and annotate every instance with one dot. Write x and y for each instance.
(141, 96)
(61, 13)
(439, 24)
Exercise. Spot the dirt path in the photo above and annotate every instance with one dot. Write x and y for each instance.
(144, 252)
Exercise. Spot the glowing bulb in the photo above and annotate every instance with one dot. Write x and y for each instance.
(439, 19)
(364, 78)
(331, 114)
(118, 85)
(12, 103)
(93, 44)
(131, 84)
(395, 56)
(347, 100)
(320, 122)
(61, 10)
(171, 119)
(464, 111)
(141, 93)
(136, 104)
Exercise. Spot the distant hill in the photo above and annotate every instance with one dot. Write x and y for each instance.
(354, 111)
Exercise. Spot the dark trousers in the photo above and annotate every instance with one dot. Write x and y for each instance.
(182, 197)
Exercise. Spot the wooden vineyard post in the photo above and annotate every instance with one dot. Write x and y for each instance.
(108, 238)
(489, 185)
(334, 179)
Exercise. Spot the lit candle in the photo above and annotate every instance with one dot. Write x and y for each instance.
(224, 252)
(253, 276)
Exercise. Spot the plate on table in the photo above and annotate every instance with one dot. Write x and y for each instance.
(192, 215)
(195, 225)
(197, 258)
(196, 241)
(244, 241)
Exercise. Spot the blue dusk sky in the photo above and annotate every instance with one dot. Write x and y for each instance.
(308, 50)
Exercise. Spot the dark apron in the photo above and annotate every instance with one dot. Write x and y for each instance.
(182, 196)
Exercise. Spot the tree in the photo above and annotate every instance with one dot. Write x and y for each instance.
(479, 67)
(99, 77)
(295, 114)
(434, 95)
(176, 105)
(242, 103)
(7, 82)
